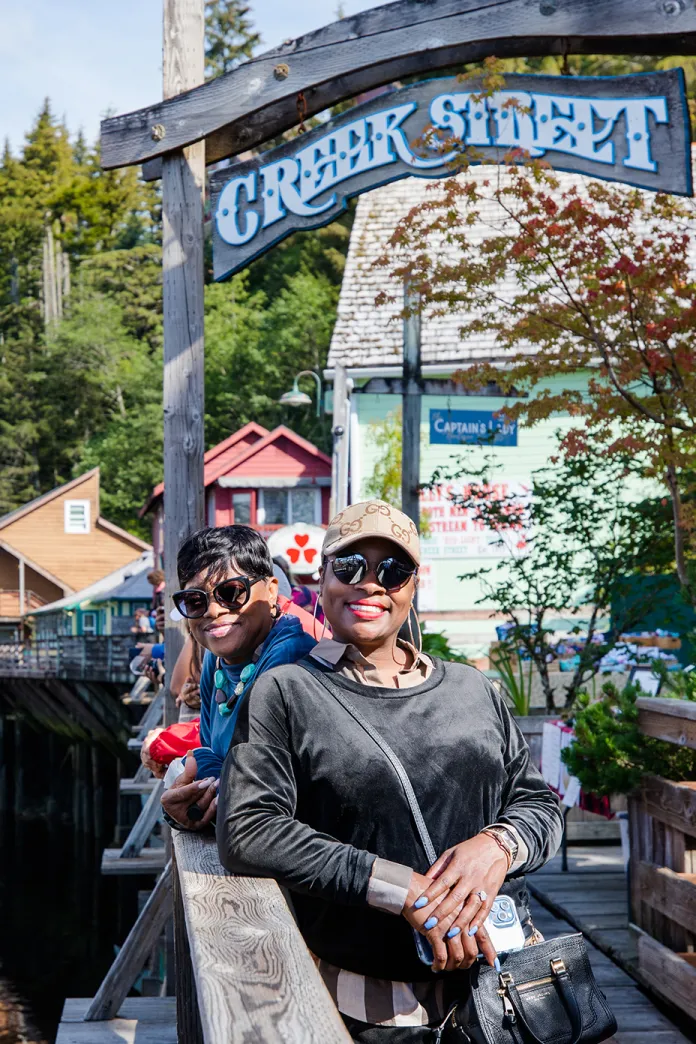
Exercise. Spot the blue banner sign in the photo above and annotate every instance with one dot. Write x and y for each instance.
(622, 128)
(471, 428)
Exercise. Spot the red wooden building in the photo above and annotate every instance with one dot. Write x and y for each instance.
(266, 479)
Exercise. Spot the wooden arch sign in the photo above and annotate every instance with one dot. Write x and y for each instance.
(622, 128)
(258, 100)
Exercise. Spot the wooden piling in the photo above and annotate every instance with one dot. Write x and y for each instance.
(183, 174)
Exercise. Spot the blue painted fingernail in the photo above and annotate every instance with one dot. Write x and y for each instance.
(452, 932)
(496, 964)
(430, 923)
(473, 930)
(420, 903)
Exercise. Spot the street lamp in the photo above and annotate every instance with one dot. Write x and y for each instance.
(300, 398)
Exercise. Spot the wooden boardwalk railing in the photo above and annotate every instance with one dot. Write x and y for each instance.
(662, 821)
(242, 962)
(81, 658)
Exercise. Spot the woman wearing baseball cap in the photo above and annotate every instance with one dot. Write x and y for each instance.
(310, 797)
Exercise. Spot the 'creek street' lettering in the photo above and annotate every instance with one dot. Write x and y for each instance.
(538, 123)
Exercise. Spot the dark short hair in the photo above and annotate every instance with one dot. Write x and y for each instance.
(214, 550)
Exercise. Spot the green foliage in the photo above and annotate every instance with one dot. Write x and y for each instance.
(436, 643)
(569, 546)
(516, 674)
(385, 481)
(87, 391)
(229, 36)
(611, 754)
(603, 288)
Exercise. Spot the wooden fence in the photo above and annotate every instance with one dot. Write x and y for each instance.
(662, 822)
(243, 972)
(85, 658)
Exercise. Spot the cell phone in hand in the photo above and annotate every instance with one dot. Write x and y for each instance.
(502, 924)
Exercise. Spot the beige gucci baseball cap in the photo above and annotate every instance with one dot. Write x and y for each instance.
(371, 518)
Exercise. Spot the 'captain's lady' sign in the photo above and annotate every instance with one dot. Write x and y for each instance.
(624, 128)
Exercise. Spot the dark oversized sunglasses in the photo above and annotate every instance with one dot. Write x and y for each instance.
(230, 594)
(391, 573)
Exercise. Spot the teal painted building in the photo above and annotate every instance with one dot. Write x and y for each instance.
(367, 340)
(102, 609)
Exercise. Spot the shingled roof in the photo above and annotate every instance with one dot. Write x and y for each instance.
(369, 336)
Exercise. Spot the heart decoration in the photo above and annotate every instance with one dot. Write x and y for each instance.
(294, 554)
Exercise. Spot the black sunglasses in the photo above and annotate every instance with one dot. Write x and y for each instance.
(230, 594)
(390, 573)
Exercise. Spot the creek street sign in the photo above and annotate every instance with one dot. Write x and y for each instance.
(633, 129)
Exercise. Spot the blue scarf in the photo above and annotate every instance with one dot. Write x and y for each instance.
(287, 642)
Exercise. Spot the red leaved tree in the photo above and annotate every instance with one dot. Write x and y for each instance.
(571, 277)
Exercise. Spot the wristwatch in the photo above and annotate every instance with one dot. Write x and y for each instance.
(506, 838)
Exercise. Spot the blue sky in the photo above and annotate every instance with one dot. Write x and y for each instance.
(92, 56)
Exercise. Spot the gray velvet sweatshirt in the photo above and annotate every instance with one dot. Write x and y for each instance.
(308, 798)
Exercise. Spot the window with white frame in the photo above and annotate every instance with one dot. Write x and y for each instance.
(283, 507)
(77, 516)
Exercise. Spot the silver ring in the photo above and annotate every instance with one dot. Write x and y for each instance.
(482, 895)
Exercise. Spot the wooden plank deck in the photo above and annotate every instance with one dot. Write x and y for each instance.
(600, 909)
(141, 1020)
(593, 898)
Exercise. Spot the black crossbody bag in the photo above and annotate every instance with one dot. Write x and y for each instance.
(544, 994)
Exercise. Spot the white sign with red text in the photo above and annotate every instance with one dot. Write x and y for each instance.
(455, 532)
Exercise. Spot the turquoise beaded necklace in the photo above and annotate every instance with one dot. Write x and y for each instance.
(223, 696)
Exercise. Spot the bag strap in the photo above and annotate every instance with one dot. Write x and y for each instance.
(570, 1003)
(341, 698)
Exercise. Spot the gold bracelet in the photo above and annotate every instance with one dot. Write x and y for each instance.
(501, 845)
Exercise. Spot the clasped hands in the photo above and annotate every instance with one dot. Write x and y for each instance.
(187, 792)
(453, 913)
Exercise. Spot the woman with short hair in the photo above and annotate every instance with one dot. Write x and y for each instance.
(229, 598)
(309, 798)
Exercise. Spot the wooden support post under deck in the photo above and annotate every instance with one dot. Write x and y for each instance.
(183, 175)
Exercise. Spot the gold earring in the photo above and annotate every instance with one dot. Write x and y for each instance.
(411, 613)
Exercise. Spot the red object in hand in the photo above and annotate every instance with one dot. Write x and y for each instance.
(176, 741)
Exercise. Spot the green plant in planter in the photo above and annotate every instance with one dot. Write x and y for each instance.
(507, 661)
(610, 753)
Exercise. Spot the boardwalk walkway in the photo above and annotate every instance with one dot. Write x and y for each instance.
(593, 897)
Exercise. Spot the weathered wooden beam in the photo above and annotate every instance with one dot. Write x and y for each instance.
(671, 894)
(152, 716)
(667, 973)
(673, 721)
(188, 1016)
(144, 824)
(670, 803)
(258, 99)
(183, 174)
(255, 978)
(133, 954)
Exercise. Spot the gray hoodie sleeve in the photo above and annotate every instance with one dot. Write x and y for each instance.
(256, 829)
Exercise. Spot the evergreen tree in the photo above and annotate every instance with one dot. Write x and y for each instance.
(229, 36)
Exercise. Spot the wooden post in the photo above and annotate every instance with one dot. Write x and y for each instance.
(22, 590)
(341, 441)
(183, 174)
(411, 408)
(188, 1016)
